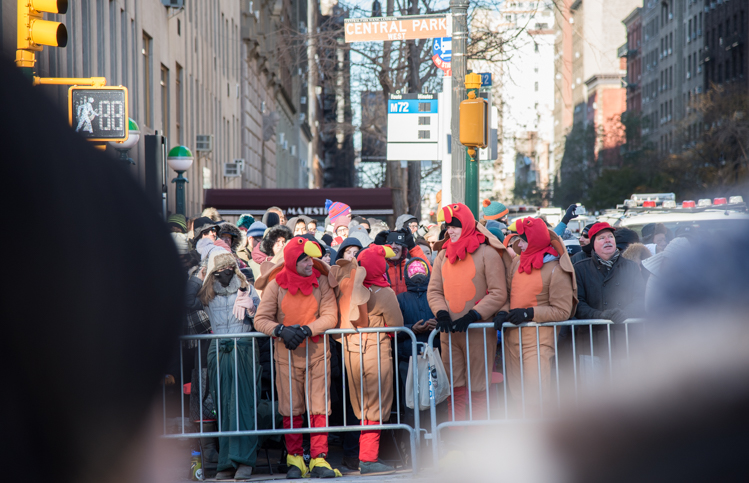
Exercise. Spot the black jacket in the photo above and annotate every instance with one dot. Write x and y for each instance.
(583, 254)
(599, 288)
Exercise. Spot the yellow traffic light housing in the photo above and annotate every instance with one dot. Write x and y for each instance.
(34, 32)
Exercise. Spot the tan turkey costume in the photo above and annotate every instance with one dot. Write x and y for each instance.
(366, 300)
(290, 299)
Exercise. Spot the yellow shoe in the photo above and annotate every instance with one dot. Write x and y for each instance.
(319, 468)
(297, 468)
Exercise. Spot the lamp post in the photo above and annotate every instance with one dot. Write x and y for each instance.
(180, 159)
(132, 139)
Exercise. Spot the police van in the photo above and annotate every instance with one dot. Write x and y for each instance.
(705, 215)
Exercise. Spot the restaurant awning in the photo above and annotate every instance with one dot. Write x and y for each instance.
(310, 202)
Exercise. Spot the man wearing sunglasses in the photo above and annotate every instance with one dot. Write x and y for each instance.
(585, 244)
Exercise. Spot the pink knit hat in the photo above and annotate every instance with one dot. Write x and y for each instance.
(416, 267)
(336, 209)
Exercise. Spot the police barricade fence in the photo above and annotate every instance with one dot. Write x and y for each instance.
(593, 338)
(413, 431)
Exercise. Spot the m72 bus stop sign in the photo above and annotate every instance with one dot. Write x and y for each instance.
(99, 113)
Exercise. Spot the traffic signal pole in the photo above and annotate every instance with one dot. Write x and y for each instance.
(459, 158)
(473, 84)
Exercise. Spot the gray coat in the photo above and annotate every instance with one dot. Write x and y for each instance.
(220, 309)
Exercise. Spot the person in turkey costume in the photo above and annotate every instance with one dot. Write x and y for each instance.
(298, 306)
(468, 285)
(542, 289)
(365, 299)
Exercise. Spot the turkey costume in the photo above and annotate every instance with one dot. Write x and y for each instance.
(366, 300)
(294, 304)
(468, 285)
(542, 288)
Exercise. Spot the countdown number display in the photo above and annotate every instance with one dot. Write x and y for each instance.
(99, 114)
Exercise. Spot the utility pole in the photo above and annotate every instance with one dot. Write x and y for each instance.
(459, 11)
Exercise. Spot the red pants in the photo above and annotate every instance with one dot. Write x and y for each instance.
(478, 402)
(318, 441)
(369, 443)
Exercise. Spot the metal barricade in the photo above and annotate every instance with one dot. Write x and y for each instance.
(434, 436)
(223, 432)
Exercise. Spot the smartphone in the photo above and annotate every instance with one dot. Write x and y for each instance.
(580, 210)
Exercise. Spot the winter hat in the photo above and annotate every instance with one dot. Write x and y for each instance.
(245, 222)
(327, 239)
(625, 237)
(674, 249)
(212, 213)
(339, 222)
(337, 209)
(202, 224)
(598, 228)
(180, 241)
(217, 261)
(494, 210)
(178, 221)
(361, 234)
(572, 244)
(257, 229)
(271, 219)
(495, 228)
(416, 267)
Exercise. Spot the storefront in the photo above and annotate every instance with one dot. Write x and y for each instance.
(375, 202)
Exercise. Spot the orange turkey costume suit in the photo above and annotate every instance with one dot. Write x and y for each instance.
(469, 275)
(290, 299)
(365, 299)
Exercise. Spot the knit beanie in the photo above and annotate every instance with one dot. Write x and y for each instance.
(245, 221)
(178, 221)
(495, 228)
(494, 210)
(336, 209)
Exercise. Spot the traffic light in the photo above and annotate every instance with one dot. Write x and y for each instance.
(34, 31)
(474, 116)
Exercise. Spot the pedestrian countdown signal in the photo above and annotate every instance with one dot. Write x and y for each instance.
(99, 113)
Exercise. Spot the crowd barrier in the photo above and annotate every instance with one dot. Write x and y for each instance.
(596, 342)
(413, 431)
(522, 412)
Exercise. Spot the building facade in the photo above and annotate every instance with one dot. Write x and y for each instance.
(201, 69)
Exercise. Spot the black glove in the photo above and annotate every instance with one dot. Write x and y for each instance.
(410, 242)
(381, 238)
(615, 315)
(306, 331)
(444, 322)
(500, 319)
(518, 316)
(461, 325)
(291, 336)
(570, 214)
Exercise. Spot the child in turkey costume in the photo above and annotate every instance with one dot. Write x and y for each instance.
(365, 299)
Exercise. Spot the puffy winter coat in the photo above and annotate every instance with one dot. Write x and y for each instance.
(599, 289)
(414, 307)
(220, 309)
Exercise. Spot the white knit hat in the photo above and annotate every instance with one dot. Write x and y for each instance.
(219, 260)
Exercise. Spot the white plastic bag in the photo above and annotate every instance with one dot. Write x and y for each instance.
(429, 362)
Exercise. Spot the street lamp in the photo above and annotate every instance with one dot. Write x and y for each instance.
(180, 159)
(132, 139)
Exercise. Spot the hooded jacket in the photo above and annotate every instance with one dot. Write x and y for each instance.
(234, 231)
(396, 269)
(348, 242)
(402, 220)
(291, 224)
(414, 307)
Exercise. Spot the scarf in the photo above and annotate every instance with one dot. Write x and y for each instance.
(288, 277)
(539, 244)
(469, 240)
(608, 263)
(374, 262)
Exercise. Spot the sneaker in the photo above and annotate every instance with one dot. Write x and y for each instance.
(244, 472)
(226, 474)
(293, 473)
(351, 462)
(375, 468)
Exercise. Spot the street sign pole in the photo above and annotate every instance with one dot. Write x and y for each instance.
(459, 158)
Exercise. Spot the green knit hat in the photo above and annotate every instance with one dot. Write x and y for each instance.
(494, 210)
(177, 220)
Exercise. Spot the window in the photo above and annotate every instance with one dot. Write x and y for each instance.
(123, 32)
(178, 104)
(113, 64)
(86, 41)
(101, 5)
(147, 80)
(164, 101)
(536, 86)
